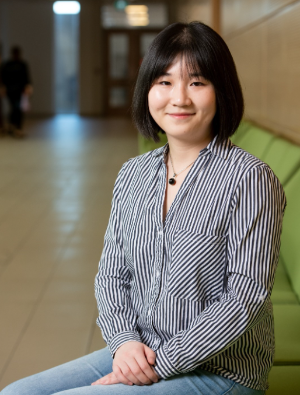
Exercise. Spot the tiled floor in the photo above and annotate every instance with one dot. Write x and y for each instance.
(55, 195)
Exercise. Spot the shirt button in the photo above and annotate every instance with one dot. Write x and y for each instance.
(160, 233)
(149, 312)
(157, 273)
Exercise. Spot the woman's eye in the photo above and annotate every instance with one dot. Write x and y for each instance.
(197, 83)
(165, 83)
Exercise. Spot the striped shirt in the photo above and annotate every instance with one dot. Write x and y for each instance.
(196, 287)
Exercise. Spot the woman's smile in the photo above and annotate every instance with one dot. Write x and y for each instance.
(183, 105)
(181, 115)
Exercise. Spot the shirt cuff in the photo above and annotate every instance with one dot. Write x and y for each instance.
(122, 338)
(163, 366)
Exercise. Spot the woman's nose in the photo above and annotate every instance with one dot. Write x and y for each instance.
(180, 96)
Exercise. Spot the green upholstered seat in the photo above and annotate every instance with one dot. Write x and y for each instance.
(240, 132)
(149, 145)
(284, 380)
(287, 334)
(283, 157)
(256, 141)
(290, 245)
(282, 292)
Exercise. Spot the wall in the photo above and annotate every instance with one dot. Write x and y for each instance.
(30, 25)
(91, 59)
(191, 10)
(264, 38)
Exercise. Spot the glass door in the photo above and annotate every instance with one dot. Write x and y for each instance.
(125, 50)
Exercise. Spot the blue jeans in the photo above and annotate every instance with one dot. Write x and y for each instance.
(75, 378)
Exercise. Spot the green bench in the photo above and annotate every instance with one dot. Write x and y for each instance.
(256, 141)
(281, 155)
(284, 159)
(149, 145)
(240, 132)
(287, 296)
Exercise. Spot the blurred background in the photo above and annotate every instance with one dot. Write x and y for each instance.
(56, 178)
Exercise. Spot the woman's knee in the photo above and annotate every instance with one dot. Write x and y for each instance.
(31, 385)
(17, 388)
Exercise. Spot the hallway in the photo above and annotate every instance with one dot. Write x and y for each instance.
(55, 194)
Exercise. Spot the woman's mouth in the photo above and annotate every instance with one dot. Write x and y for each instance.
(181, 115)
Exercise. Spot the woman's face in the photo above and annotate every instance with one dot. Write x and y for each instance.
(183, 106)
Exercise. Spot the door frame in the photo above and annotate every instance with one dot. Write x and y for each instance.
(133, 67)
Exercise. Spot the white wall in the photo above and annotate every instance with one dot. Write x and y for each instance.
(30, 25)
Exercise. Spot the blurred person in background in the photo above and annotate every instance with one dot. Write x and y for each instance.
(16, 86)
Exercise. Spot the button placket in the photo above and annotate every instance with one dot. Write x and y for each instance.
(158, 242)
(157, 267)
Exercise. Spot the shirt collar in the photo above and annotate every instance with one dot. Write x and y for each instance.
(216, 147)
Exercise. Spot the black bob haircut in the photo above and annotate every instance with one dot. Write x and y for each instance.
(204, 53)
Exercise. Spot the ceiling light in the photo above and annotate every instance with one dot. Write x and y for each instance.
(133, 9)
(137, 15)
(66, 7)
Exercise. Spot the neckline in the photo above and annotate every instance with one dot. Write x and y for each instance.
(179, 192)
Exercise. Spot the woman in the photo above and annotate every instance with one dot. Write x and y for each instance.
(192, 244)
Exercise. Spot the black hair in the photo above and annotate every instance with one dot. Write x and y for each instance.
(204, 52)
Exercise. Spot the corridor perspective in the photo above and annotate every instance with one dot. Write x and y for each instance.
(56, 190)
(66, 137)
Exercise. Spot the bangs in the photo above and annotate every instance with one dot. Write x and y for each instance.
(191, 53)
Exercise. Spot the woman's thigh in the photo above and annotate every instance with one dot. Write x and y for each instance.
(187, 384)
(78, 373)
(75, 378)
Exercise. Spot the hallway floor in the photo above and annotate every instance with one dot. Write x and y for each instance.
(55, 194)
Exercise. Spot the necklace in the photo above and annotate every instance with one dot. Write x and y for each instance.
(172, 180)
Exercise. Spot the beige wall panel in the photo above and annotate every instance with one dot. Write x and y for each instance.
(282, 47)
(237, 14)
(291, 28)
(268, 61)
(275, 83)
(248, 59)
(194, 10)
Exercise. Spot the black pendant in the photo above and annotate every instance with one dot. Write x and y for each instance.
(172, 181)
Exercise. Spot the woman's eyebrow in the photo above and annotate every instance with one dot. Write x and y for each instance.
(197, 74)
(192, 75)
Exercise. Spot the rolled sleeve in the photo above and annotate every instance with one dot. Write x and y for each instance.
(117, 318)
(163, 366)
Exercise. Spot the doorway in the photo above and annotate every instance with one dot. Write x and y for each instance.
(66, 62)
(124, 51)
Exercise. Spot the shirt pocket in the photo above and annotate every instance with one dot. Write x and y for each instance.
(197, 267)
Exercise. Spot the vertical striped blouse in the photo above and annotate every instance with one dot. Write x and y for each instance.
(196, 287)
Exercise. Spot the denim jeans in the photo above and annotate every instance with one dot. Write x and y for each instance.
(75, 378)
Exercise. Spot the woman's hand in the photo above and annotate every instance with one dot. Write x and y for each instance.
(132, 365)
(108, 380)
